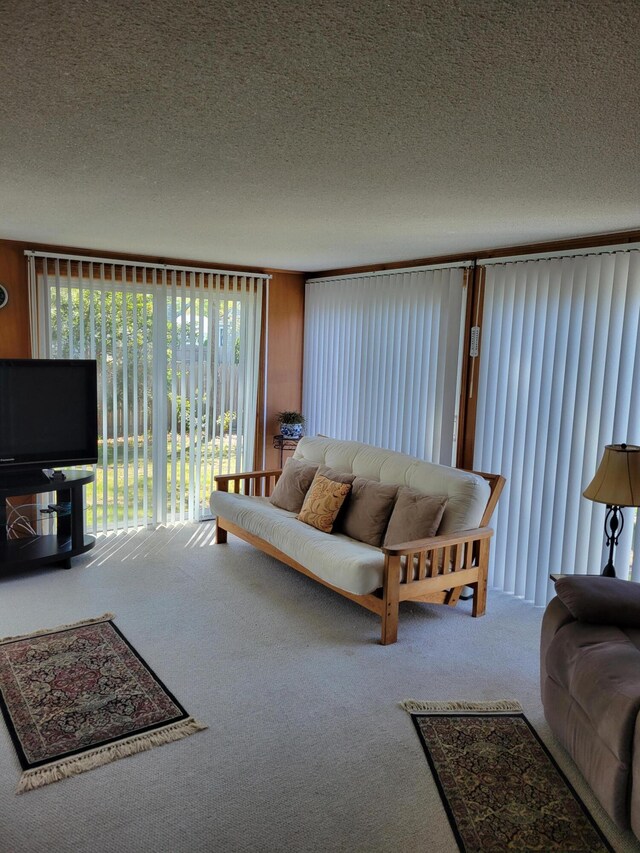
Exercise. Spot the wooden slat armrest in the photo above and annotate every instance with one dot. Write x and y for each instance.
(247, 475)
(254, 483)
(442, 541)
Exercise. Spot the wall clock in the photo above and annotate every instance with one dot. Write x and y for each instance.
(4, 296)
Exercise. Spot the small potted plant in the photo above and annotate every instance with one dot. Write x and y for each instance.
(291, 424)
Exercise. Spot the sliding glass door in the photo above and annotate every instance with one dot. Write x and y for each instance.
(177, 354)
(559, 379)
(383, 358)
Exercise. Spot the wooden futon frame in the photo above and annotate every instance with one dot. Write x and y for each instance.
(434, 570)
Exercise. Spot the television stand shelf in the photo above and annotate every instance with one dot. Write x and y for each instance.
(69, 539)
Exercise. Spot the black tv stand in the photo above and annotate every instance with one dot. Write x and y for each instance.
(69, 539)
(18, 478)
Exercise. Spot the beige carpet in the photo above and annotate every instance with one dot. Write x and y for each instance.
(307, 748)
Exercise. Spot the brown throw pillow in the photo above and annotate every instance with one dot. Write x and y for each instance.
(415, 516)
(323, 502)
(293, 485)
(601, 600)
(366, 512)
(336, 476)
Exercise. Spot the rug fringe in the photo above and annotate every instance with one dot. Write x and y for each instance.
(67, 767)
(106, 617)
(415, 706)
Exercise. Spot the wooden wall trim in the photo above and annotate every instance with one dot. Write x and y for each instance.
(580, 242)
(470, 370)
(469, 276)
(23, 245)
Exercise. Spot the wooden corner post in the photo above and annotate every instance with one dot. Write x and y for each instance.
(390, 600)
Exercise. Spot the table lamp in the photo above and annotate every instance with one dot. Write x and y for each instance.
(616, 484)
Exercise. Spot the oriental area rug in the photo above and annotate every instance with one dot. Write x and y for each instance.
(79, 696)
(500, 787)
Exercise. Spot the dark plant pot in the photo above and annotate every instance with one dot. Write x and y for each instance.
(291, 430)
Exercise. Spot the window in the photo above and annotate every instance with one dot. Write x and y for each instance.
(174, 410)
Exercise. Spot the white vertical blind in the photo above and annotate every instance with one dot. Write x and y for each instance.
(382, 359)
(177, 352)
(559, 379)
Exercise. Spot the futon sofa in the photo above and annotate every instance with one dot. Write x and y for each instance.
(358, 560)
(590, 685)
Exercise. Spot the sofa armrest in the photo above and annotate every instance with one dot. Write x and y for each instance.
(555, 617)
(445, 540)
(256, 483)
(600, 600)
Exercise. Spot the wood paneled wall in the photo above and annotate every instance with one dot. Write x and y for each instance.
(284, 316)
(14, 317)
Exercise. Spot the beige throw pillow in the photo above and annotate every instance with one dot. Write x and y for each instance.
(323, 502)
(293, 485)
(366, 512)
(415, 516)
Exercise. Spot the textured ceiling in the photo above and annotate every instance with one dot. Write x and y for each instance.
(310, 135)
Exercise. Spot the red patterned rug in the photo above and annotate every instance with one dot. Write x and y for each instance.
(501, 788)
(79, 696)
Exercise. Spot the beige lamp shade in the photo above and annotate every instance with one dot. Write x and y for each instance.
(617, 480)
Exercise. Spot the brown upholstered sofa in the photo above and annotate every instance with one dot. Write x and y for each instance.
(590, 683)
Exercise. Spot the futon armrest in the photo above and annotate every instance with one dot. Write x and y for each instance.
(444, 540)
(256, 483)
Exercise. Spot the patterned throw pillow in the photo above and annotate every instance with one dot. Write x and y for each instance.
(323, 502)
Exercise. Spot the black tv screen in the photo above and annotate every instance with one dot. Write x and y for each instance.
(48, 413)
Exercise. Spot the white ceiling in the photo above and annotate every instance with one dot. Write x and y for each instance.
(312, 135)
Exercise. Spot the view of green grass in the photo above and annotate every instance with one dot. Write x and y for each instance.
(120, 492)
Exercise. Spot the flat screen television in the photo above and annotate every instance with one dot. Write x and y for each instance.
(48, 414)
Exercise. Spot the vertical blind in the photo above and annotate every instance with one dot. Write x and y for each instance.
(559, 379)
(177, 352)
(382, 359)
